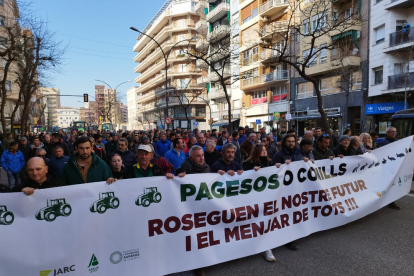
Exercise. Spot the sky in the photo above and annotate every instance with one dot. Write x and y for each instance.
(99, 42)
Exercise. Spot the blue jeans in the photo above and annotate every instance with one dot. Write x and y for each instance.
(14, 179)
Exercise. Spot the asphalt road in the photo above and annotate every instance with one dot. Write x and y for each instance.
(379, 244)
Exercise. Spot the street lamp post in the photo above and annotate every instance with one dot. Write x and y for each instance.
(112, 89)
(165, 60)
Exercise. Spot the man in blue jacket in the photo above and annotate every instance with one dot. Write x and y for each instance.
(57, 163)
(163, 145)
(12, 162)
(176, 155)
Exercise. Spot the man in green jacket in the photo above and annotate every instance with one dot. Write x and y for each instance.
(85, 166)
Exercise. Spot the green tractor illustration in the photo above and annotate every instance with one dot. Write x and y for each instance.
(54, 209)
(6, 217)
(106, 201)
(150, 195)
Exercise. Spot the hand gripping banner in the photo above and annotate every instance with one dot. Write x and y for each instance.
(155, 226)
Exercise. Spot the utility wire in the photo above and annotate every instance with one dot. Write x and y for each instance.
(99, 56)
(101, 51)
(96, 41)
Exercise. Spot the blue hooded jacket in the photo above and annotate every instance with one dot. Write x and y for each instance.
(175, 159)
(12, 162)
(161, 147)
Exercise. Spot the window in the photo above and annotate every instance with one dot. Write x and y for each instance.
(8, 85)
(356, 81)
(279, 93)
(377, 1)
(335, 17)
(226, 106)
(330, 85)
(297, 36)
(306, 26)
(378, 72)
(348, 13)
(250, 56)
(200, 111)
(180, 23)
(259, 94)
(236, 104)
(214, 108)
(2, 21)
(323, 53)
(319, 21)
(313, 60)
(379, 34)
(249, 12)
(304, 90)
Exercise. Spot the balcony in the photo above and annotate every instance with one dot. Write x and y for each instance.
(201, 27)
(218, 12)
(146, 96)
(399, 4)
(161, 90)
(201, 64)
(278, 75)
(201, 8)
(250, 81)
(401, 40)
(401, 81)
(272, 7)
(225, 73)
(218, 93)
(269, 55)
(249, 60)
(219, 32)
(201, 45)
(274, 27)
(202, 80)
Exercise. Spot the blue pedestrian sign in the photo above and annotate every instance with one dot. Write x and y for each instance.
(258, 122)
(196, 123)
(160, 126)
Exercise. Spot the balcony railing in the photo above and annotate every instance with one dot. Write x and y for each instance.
(250, 81)
(200, 23)
(268, 54)
(401, 81)
(272, 3)
(339, 54)
(275, 76)
(274, 27)
(401, 37)
(223, 29)
(223, 7)
(249, 60)
(304, 95)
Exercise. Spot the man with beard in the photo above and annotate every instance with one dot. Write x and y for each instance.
(98, 142)
(211, 155)
(223, 139)
(304, 152)
(322, 151)
(227, 163)
(84, 166)
(128, 158)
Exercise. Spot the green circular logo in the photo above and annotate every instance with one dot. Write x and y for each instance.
(116, 257)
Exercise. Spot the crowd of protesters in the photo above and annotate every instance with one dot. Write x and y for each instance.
(51, 160)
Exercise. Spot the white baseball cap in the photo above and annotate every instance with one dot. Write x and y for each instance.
(147, 148)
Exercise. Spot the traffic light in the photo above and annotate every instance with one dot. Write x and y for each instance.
(85, 98)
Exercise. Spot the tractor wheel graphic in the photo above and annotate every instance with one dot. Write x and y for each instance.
(114, 202)
(51, 216)
(157, 197)
(6, 218)
(146, 202)
(101, 209)
(65, 210)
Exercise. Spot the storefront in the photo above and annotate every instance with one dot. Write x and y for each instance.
(306, 120)
(379, 115)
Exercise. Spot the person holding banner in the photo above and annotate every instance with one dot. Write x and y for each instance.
(343, 149)
(194, 164)
(304, 152)
(286, 153)
(227, 163)
(144, 167)
(84, 166)
(39, 178)
(322, 150)
(258, 159)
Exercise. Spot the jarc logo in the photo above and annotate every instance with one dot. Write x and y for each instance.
(93, 264)
(58, 271)
(54, 209)
(6, 217)
(106, 201)
(149, 196)
(129, 255)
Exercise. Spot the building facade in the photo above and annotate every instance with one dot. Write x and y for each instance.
(391, 67)
(171, 91)
(52, 97)
(66, 116)
(132, 98)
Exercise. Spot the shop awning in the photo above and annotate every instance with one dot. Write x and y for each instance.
(352, 33)
(223, 122)
(315, 116)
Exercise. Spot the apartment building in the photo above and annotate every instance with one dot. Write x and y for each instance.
(391, 68)
(264, 80)
(133, 107)
(51, 96)
(173, 90)
(106, 100)
(340, 67)
(66, 116)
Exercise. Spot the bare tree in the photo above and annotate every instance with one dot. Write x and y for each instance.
(315, 22)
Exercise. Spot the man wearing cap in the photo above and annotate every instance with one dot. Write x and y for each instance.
(144, 167)
(24, 148)
(343, 149)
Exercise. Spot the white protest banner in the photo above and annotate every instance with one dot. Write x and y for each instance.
(155, 226)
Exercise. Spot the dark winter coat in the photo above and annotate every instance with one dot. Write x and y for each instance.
(246, 148)
(339, 150)
(163, 163)
(51, 182)
(162, 147)
(189, 167)
(128, 158)
(98, 171)
(25, 150)
(271, 151)
(213, 157)
(221, 165)
(118, 175)
(386, 141)
(56, 165)
(282, 155)
(111, 147)
(298, 155)
(247, 166)
(320, 155)
(50, 152)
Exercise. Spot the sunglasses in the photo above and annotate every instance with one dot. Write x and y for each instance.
(325, 135)
(41, 155)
